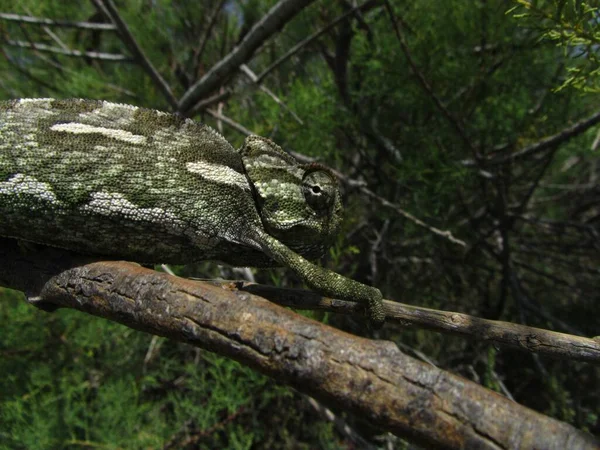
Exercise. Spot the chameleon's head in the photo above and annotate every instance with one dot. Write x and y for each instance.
(299, 204)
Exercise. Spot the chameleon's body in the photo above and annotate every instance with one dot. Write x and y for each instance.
(124, 182)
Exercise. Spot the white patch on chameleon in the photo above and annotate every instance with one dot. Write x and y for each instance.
(271, 159)
(218, 173)
(274, 164)
(24, 184)
(34, 108)
(169, 140)
(35, 100)
(275, 188)
(81, 128)
(117, 114)
(115, 204)
(265, 160)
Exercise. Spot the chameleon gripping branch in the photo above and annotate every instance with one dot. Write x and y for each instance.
(118, 181)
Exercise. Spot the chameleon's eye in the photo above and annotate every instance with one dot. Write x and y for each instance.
(319, 189)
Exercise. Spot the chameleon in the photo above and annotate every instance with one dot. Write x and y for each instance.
(120, 181)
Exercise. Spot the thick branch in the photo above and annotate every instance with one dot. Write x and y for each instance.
(273, 21)
(372, 379)
(504, 334)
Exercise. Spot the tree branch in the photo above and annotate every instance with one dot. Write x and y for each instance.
(272, 22)
(361, 186)
(212, 20)
(300, 45)
(425, 84)
(115, 57)
(372, 379)
(503, 334)
(546, 143)
(57, 23)
(108, 8)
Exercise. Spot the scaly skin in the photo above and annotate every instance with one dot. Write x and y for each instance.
(119, 181)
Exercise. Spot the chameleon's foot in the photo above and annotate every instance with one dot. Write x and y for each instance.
(375, 311)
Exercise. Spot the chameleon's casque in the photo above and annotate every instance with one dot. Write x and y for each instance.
(124, 182)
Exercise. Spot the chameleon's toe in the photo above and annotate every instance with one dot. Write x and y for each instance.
(375, 310)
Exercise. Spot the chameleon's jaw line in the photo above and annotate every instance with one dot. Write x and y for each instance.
(119, 181)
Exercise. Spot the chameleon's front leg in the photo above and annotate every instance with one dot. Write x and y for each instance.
(325, 281)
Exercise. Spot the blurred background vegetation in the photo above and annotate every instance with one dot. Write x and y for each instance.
(433, 108)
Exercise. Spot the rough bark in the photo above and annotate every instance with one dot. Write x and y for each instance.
(373, 379)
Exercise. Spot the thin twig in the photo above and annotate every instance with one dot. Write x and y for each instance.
(52, 60)
(233, 124)
(552, 141)
(506, 334)
(252, 77)
(425, 84)
(64, 69)
(296, 48)
(341, 425)
(108, 8)
(534, 185)
(24, 72)
(56, 39)
(270, 23)
(115, 57)
(361, 186)
(211, 23)
(446, 234)
(58, 23)
(202, 105)
(30, 40)
(50, 33)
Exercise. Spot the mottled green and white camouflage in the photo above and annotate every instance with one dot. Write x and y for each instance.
(124, 182)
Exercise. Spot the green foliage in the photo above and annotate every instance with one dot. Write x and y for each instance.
(503, 77)
(573, 26)
(72, 381)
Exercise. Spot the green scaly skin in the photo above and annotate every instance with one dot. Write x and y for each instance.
(123, 182)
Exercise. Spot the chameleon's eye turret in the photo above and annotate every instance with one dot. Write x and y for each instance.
(320, 190)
